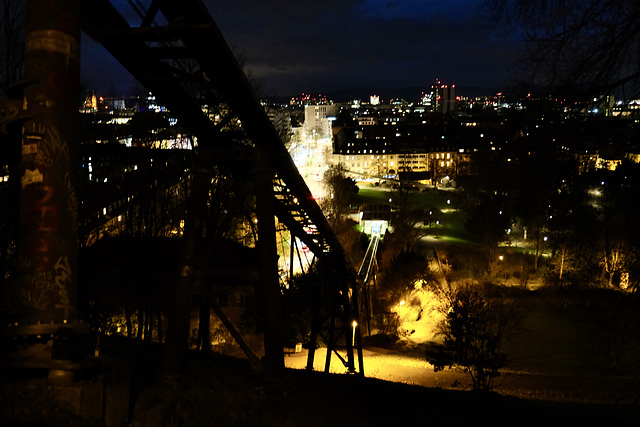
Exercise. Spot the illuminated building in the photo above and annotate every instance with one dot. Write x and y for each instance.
(317, 120)
(386, 151)
(443, 98)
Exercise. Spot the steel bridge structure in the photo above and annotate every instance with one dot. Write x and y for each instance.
(176, 51)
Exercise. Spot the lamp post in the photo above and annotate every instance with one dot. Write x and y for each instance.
(354, 324)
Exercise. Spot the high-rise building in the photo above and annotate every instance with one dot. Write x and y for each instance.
(443, 98)
(317, 120)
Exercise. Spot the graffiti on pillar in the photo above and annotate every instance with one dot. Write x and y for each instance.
(63, 278)
(38, 295)
(52, 148)
(42, 226)
(32, 162)
(43, 223)
(47, 245)
(49, 216)
(72, 204)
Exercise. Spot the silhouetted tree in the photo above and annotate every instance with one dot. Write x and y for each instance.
(474, 331)
(400, 275)
(562, 262)
(340, 193)
(489, 221)
(587, 47)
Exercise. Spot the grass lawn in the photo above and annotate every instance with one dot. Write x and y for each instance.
(418, 199)
(451, 228)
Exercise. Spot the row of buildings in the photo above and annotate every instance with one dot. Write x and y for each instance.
(436, 139)
(426, 152)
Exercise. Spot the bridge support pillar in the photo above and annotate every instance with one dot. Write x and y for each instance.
(269, 282)
(46, 278)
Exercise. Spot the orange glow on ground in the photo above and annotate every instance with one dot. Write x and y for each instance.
(419, 316)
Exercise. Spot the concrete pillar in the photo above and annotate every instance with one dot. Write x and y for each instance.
(46, 293)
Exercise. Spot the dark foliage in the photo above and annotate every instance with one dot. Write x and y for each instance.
(474, 331)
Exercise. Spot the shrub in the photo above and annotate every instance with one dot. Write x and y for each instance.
(474, 330)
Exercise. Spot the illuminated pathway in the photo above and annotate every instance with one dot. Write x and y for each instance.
(410, 367)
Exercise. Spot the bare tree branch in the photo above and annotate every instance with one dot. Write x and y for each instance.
(585, 47)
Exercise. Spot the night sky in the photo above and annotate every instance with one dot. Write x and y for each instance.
(293, 46)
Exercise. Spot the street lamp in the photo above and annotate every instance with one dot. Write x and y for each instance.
(354, 324)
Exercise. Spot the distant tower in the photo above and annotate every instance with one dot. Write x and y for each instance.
(443, 98)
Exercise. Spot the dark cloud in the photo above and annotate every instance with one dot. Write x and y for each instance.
(372, 43)
(293, 46)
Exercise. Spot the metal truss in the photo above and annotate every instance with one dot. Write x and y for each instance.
(176, 51)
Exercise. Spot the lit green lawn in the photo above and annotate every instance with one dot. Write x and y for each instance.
(451, 228)
(418, 199)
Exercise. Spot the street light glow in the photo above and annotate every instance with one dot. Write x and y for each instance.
(354, 324)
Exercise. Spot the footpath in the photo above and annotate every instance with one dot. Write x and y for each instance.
(411, 368)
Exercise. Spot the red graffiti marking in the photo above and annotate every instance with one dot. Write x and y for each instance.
(43, 223)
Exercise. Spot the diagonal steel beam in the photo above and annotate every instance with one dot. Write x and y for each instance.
(160, 58)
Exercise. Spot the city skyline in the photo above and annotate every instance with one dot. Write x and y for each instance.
(292, 48)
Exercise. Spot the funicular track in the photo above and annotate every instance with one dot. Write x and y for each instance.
(177, 52)
(366, 275)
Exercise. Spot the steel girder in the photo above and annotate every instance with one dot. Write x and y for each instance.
(177, 52)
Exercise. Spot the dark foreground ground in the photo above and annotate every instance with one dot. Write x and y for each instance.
(223, 391)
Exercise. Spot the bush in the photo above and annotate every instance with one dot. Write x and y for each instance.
(474, 330)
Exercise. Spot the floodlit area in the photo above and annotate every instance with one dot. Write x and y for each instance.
(311, 159)
(419, 315)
